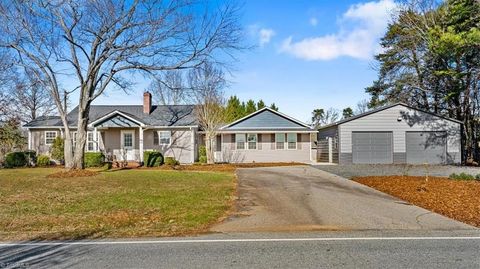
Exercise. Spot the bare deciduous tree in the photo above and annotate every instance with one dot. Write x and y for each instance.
(321, 117)
(208, 83)
(30, 99)
(169, 88)
(92, 44)
(362, 107)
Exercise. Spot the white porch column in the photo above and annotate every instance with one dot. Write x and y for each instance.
(29, 139)
(141, 143)
(330, 150)
(194, 147)
(95, 138)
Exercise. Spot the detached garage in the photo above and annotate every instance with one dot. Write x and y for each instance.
(395, 134)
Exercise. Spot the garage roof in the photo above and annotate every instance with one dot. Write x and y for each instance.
(384, 108)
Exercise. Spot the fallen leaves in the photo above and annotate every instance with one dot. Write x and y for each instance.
(455, 199)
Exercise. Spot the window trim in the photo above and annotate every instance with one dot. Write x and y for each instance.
(56, 135)
(256, 142)
(296, 141)
(244, 141)
(160, 138)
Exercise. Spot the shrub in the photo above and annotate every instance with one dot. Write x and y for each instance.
(15, 159)
(202, 159)
(31, 157)
(152, 158)
(94, 159)
(202, 151)
(43, 160)
(477, 177)
(58, 149)
(202, 154)
(170, 161)
(462, 176)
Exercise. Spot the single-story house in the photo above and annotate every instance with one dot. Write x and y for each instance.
(394, 134)
(124, 132)
(266, 136)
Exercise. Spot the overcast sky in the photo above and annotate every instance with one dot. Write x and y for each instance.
(309, 54)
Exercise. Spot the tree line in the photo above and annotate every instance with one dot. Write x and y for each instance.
(430, 59)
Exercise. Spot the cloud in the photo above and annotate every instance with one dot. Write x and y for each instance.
(265, 35)
(313, 21)
(361, 27)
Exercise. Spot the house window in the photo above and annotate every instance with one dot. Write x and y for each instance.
(240, 141)
(164, 137)
(155, 138)
(90, 142)
(292, 141)
(74, 138)
(252, 141)
(280, 141)
(50, 137)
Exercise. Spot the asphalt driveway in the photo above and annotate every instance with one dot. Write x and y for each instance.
(303, 198)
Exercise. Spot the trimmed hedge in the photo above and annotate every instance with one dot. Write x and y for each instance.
(43, 160)
(152, 158)
(15, 159)
(20, 159)
(94, 159)
(171, 161)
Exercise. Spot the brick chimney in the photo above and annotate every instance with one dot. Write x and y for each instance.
(147, 103)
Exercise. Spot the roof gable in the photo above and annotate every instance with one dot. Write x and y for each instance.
(385, 108)
(117, 120)
(266, 118)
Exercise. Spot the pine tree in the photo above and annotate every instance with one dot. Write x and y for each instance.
(260, 104)
(250, 107)
(274, 107)
(234, 109)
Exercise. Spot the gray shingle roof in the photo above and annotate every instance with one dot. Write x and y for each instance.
(160, 115)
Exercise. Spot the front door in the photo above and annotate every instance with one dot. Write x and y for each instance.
(128, 145)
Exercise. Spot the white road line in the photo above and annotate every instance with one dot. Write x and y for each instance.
(185, 241)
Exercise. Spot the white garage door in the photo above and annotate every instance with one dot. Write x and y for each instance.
(426, 147)
(372, 147)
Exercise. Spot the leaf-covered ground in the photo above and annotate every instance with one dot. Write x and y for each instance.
(456, 199)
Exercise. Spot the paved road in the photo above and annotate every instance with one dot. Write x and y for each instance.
(299, 250)
(302, 198)
(352, 170)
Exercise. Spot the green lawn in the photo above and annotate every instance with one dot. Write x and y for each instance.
(123, 203)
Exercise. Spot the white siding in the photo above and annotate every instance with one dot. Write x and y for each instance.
(412, 120)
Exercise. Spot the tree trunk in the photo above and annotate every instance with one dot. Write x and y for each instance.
(209, 146)
(79, 153)
(68, 150)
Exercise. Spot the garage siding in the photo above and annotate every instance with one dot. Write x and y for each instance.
(411, 120)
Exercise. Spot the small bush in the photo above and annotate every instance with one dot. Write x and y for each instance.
(58, 149)
(477, 177)
(152, 158)
(31, 157)
(462, 176)
(202, 151)
(202, 159)
(171, 161)
(15, 159)
(43, 160)
(94, 159)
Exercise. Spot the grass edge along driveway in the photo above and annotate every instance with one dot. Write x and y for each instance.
(122, 203)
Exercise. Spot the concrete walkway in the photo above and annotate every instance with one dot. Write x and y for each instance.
(302, 198)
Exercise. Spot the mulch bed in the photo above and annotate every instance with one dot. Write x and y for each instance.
(456, 199)
(228, 167)
(73, 173)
